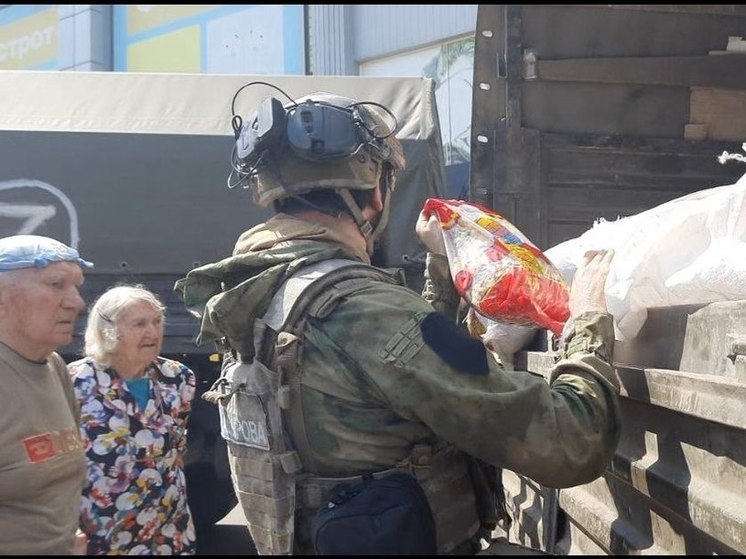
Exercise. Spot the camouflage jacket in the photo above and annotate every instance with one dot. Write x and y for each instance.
(385, 370)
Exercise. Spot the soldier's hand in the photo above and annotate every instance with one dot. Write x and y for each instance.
(587, 291)
(430, 233)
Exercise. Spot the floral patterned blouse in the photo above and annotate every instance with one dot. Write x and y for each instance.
(134, 500)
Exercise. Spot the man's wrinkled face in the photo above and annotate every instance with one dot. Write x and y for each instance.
(40, 306)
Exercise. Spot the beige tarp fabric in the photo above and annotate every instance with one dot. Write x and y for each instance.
(200, 104)
(183, 103)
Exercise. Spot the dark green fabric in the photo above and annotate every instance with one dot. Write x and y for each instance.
(372, 387)
(249, 279)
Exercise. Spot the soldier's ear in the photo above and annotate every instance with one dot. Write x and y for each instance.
(374, 204)
(377, 198)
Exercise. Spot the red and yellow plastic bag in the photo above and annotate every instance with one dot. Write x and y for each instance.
(497, 269)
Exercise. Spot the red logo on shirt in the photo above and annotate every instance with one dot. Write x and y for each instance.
(39, 448)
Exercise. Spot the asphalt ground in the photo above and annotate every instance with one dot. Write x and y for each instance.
(230, 536)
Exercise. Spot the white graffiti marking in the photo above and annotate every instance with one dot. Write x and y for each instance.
(32, 216)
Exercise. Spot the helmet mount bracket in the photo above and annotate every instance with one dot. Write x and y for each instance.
(321, 141)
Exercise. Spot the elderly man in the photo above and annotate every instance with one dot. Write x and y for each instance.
(42, 464)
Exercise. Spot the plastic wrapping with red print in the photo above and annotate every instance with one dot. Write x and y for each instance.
(497, 270)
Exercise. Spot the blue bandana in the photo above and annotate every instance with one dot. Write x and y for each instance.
(35, 251)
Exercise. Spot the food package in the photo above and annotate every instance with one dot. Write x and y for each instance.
(497, 270)
(502, 339)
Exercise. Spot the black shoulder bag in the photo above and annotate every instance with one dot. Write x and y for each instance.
(389, 515)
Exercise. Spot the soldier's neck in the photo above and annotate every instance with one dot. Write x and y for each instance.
(344, 225)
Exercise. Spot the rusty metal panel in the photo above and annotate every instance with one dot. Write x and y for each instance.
(534, 510)
(519, 195)
(616, 30)
(677, 482)
(712, 344)
(675, 485)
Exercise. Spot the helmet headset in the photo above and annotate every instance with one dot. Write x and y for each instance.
(322, 141)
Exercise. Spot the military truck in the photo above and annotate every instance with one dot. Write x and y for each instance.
(589, 111)
(132, 170)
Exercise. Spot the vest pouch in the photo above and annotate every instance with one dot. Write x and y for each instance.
(244, 414)
(389, 515)
(263, 468)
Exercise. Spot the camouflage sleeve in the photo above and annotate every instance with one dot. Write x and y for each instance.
(430, 371)
(438, 289)
(589, 347)
(584, 370)
(587, 353)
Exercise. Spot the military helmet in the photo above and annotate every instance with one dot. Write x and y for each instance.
(322, 141)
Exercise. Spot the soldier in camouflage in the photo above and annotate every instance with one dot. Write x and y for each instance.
(385, 379)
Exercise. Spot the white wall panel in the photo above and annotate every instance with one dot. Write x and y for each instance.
(346, 35)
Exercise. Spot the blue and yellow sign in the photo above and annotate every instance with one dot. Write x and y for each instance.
(215, 39)
(29, 37)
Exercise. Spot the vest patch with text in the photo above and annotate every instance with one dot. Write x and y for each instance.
(244, 421)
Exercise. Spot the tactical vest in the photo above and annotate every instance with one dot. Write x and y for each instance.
(262, 422)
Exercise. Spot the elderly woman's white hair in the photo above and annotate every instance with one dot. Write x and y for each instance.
(101, 334)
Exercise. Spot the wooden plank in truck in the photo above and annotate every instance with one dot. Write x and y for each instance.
(728, 72)
(721, 111)
(554, 156)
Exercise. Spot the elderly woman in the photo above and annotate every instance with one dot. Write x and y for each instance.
(134, 409)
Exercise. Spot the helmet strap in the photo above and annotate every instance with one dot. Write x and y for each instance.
(386, 194)
(369, 233)
(357, 214)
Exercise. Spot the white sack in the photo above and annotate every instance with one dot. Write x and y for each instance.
(691, 250)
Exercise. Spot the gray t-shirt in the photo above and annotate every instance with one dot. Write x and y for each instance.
(42, 462)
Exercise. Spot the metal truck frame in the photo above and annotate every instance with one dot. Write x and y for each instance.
(588, 111)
